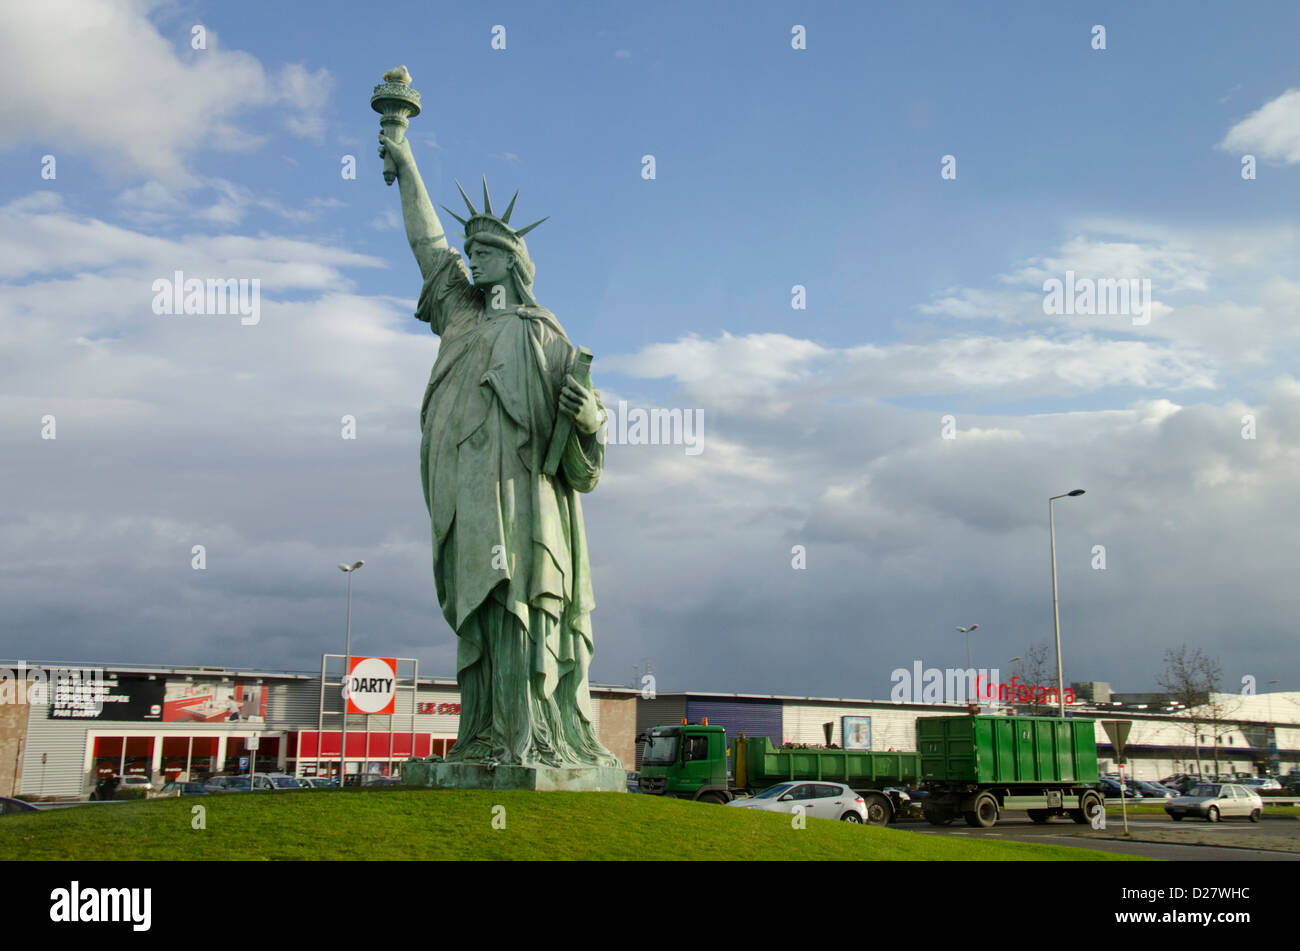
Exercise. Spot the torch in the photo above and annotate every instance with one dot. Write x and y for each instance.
(395, 101)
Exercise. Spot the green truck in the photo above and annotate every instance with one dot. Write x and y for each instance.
(975, 767)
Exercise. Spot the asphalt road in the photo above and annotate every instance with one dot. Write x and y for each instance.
(1238, 841)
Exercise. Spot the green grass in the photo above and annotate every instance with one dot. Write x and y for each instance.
(433, 824)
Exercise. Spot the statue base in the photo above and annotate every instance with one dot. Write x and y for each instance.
(535, 778)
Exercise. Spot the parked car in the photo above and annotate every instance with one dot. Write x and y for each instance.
(1261, 783)
(227, 784)
(185, 789)
(319, 782)
(1183, 783)
(1153, 790)
(9, 807)
(1111, 790)
(633, 781)
(820, 801)
(274, 781)
(136, 782)
(1215, 801)
(376, 780)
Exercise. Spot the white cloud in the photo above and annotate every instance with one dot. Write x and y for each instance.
(761, 369)
(98, 79)
(1271, 132)
(39, 236)
(182, 431)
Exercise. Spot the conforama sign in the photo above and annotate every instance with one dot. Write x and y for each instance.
(372, 685)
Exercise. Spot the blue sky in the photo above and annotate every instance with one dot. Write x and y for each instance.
(774, 167)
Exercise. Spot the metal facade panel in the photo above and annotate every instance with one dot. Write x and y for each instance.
(751, 717)
(292, 705)
(444, 724)
(661, 711)
(64, 742)
(892, 726)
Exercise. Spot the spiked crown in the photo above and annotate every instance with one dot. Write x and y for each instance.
(486, 227)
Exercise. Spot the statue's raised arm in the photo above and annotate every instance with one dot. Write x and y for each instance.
(394, 99)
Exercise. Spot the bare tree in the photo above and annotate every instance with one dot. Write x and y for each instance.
(1218, 708)
(1191, 677)
(1037, 669)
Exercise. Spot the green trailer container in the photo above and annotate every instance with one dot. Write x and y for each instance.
(759, 765)
(1007, 750)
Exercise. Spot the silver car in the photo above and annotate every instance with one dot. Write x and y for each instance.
(1215, 801)
(818, 801)
(1263, 782)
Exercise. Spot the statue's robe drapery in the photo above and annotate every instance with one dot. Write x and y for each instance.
(509, 548)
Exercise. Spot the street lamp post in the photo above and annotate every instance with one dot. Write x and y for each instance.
(1273, 767)
(1056, 605)
(966, 631)
(347, 663)
(1009, 663)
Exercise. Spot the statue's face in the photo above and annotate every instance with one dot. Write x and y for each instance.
(489, 265)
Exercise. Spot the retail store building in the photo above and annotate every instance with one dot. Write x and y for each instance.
(60, 733)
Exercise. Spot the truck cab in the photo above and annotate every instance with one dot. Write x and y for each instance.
(687, 762)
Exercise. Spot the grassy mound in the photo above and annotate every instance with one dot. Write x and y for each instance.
(397, 823)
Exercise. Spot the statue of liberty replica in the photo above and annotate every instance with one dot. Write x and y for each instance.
(510, 439)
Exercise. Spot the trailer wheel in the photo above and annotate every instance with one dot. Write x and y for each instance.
(1038, 816)
(985, 813)
(879, 811)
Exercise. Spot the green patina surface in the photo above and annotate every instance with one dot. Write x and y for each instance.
(510, 559)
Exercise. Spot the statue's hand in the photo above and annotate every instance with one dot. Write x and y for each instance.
(580, 403)
(399, 152)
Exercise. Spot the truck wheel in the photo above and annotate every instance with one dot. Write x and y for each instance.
(716, 798)
(985, 814)
(938, 817)
(1089, 802)
(879, 812)
(1038, 816)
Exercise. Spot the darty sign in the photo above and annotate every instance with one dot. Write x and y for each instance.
(372, 686)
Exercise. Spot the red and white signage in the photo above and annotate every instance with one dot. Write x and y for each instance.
(372, 686)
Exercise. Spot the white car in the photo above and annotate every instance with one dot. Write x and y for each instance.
(1215, 801)
(135, 782)
(819, 801)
